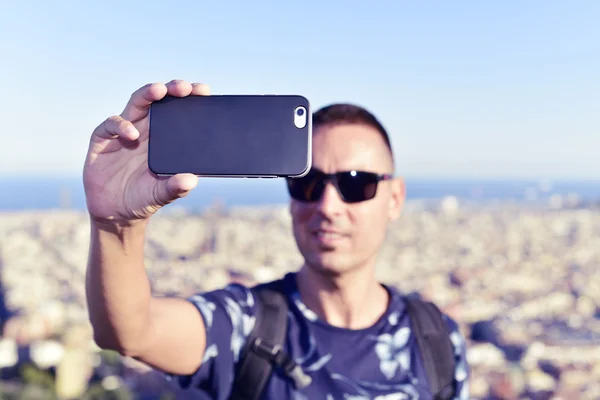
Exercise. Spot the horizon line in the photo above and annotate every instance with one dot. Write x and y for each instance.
(411, 177)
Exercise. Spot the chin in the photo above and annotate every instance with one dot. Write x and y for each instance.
(329, 264)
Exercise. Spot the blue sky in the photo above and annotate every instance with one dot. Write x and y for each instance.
(467, 89)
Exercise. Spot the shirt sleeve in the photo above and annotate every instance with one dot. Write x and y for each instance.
(461, 369)
(229, 317)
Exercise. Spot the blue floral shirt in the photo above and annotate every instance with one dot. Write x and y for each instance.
(381, 362)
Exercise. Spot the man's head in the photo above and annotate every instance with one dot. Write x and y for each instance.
(340, 224)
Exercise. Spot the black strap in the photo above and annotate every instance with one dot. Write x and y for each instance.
(264, 348)
(435, 346)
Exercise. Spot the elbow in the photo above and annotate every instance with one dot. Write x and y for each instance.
(105, 341)
(122, 333)
(113, 342)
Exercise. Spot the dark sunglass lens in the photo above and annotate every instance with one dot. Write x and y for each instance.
(308, 188)
(357, 186)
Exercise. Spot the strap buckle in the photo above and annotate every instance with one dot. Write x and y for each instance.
(276, 355)
(265, 349)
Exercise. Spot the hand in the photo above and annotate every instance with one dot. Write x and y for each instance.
(118, 184)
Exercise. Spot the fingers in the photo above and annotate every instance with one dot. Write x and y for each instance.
(179, 88)
(116, 126)
(200, 89)
(140, 101)
(174, 187)
(182, 184)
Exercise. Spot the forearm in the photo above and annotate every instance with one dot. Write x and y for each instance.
(117, 287)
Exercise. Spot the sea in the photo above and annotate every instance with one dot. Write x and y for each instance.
(46, 193)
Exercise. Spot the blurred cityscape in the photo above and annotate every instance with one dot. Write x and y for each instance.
(522, 280)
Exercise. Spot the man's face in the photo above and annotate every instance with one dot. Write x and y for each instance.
(335, 236)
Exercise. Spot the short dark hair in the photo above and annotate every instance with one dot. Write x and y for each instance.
(345, 113)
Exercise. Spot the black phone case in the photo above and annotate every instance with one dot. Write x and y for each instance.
(230, 136)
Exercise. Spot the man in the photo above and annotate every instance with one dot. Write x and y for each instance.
(348, 333)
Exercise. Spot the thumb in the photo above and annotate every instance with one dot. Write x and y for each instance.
(175, 187)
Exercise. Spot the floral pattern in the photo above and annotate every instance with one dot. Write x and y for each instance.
(206, 308)
(393, 352)
(210, 352)
(308, 313)
(394, 318)
(394, 396)
(373, 363)
(242, 326)
(461, 372)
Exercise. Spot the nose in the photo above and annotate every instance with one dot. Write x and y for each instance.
(330, 202)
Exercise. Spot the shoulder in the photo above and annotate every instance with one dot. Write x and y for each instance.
(234, 301)
(234, 292)
(458, 347)
(427, 306)
(447, 324)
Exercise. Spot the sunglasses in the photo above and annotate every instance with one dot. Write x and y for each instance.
(353, 186)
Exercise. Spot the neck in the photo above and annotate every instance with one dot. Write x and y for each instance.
(353, 300)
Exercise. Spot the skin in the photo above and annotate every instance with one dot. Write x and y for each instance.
(122, 194)
(337, 281)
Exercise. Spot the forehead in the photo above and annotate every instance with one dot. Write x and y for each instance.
(350, 146)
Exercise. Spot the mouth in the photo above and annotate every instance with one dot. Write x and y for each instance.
(328, 237)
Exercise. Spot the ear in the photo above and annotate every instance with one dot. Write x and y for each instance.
(397, 198)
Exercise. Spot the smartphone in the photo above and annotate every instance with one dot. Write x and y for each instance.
(252, 136)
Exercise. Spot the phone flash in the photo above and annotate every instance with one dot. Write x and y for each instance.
(300, 117)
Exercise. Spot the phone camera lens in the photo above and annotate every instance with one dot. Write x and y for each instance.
(300, 112)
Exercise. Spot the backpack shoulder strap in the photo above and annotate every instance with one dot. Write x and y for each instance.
(264, 348)
(435, 346)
